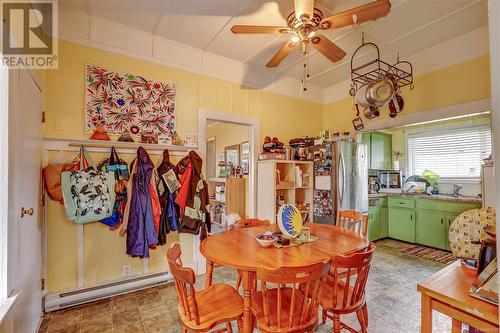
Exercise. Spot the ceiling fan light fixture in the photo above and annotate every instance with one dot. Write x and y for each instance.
(311, 34)
(295, 39)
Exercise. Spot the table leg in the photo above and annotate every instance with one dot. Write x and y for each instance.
(426, 315)
(210, 271)
(456, 326)
(247, 314)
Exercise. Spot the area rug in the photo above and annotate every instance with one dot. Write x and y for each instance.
(443, 257)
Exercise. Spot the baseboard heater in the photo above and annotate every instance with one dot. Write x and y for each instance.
(53, 302)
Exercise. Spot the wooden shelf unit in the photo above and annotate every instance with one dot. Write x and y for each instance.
(293, 192)
(234, 194)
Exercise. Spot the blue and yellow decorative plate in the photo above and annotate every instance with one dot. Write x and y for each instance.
(289, 220)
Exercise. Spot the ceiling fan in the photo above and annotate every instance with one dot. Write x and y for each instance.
(305, 22)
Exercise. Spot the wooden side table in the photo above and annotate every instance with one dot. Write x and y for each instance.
(447, 291)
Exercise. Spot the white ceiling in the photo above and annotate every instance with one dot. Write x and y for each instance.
(411, 27)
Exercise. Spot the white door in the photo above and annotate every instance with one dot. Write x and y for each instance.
(25, 233)
(211, 159)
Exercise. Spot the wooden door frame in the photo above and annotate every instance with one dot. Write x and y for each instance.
(212, 139)
(253, 124)
(494, 30)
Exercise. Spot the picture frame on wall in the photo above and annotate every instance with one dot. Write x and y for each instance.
(245, 161)
(245, 148)
(232, 155)
(245, 157)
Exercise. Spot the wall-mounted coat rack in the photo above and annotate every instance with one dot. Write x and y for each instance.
(122, 147)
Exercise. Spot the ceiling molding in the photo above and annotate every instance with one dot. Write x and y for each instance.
(80, 28)
(439, 56)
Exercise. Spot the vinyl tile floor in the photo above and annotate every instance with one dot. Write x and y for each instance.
(392, 298)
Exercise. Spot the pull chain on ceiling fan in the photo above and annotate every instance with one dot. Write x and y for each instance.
(306, 22)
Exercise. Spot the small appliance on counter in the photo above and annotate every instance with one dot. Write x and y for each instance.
(373, 184)
(390, 181)
(417, 185)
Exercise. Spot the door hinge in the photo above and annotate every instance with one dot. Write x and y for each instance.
(43, 117)
(42, 284)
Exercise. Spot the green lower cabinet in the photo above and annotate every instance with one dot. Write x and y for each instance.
(449, 218)
(373, 223)
(431, 229)
(402, 224)
(384, 220)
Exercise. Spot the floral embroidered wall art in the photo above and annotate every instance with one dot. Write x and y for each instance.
(123, 101)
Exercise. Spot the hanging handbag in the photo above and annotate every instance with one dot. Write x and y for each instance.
(88, 194)
(120, 169)
(52, 175)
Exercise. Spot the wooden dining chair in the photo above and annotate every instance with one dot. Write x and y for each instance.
(200, 311)
(353, 220)
(248, 223)
(344, 292)
(285, 308)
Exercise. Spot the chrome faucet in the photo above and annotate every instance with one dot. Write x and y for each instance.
(456, 189)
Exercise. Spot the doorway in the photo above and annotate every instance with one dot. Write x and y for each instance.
(252, 126)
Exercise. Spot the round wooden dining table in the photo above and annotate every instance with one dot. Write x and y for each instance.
(239, 249)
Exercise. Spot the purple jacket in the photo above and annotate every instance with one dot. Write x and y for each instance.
(141, 233)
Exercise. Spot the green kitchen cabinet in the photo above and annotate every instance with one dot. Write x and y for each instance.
(431, 229)
(373, 223)
(449, 218)
(384, 220)
(366, 139)
(402, 224)
(379, 150)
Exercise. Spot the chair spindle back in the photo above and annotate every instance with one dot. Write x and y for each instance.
(350, 274)
(184, 283)
(312, 276)
(352, 220)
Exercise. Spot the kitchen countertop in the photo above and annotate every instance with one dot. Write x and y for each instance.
(442, 197)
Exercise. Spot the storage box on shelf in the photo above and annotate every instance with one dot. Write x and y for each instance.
(284, 182)
(229, 193)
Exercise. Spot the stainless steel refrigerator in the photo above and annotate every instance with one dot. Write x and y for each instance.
(340, 179)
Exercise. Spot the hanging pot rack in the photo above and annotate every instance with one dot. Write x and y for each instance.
(376, 69)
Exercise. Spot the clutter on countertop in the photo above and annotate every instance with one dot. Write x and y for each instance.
(443, 197)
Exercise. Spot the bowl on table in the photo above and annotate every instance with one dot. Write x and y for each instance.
(265, 240)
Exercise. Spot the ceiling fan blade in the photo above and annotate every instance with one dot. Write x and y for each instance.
(258, 29)
(304, 8)
(327, 48)
(358, 15)
(282, 53)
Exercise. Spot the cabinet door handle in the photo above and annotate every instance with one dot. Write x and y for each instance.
(441, 220)
(401, 203)
(411, 217)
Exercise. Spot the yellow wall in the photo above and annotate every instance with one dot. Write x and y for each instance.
(460, 83)
(279, 115)
(105, 256)
(227, 134)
